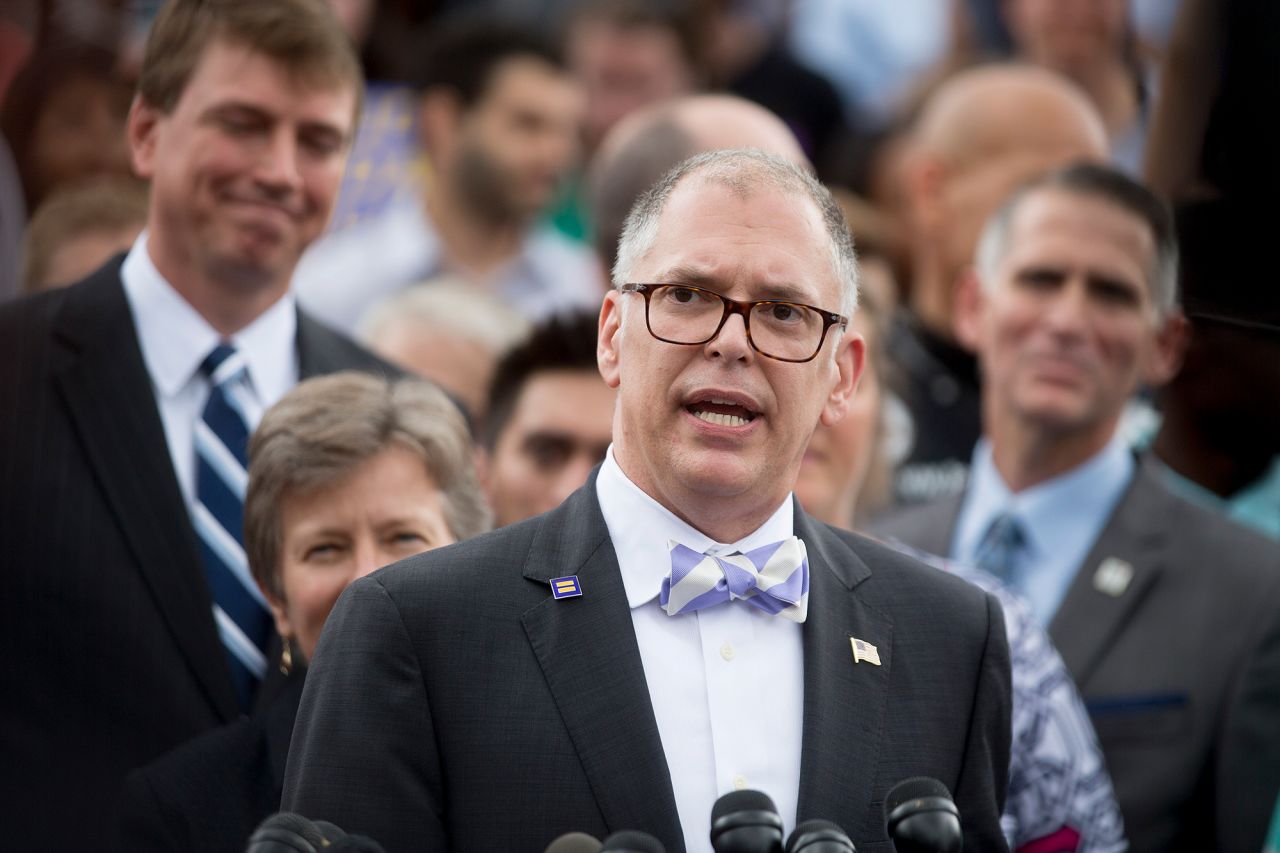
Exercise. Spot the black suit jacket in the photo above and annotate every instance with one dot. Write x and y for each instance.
(453, 704)
(1180, 671)
(110, 653)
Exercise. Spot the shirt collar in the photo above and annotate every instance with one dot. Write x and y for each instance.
(640, 527)
(1090, 490)
(175, 339)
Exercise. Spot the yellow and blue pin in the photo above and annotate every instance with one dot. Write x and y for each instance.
(566, 587)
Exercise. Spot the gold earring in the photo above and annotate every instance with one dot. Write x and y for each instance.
(286, 655)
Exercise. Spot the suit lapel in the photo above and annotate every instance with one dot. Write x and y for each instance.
(844, 701)
(588, 653)
(98, 370)
(1131, 547)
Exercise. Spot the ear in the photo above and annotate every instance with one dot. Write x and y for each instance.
(1164, 359)
(925, 177)
(279, 613)
(142, 128)
(969, 305)
(850, 360)
(609, 340)
(439, 112)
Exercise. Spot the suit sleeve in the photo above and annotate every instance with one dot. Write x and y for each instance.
(980, 791)
(363, 754)
(1248, 771)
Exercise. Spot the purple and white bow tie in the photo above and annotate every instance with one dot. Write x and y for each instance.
(773, 578)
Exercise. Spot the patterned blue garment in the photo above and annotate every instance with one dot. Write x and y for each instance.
(1060, 796)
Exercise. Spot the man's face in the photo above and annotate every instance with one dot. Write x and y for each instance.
(1069, 37)
(764, 245)
(1068, 327)
(244, 169)
(516, 144)
(558, 431)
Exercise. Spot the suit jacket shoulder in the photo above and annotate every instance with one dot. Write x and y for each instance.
(928, 526)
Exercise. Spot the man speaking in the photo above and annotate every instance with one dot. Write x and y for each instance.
(678, 628)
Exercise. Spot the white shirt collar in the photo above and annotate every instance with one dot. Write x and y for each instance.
(175, 339)
(640, 527)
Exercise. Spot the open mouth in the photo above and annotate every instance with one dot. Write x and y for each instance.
(721, 412)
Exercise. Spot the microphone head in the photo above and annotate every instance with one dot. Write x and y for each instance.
(574, 842)
(819, 836)
(921, 817)
(286, 832)
(746, 822)
(632, 841)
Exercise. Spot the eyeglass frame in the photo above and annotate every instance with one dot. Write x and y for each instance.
(743, 309)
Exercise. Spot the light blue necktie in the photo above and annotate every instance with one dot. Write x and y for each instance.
(1002, 548)
(773, 578)
(221, 438)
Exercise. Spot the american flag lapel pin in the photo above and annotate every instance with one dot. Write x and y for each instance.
(864, 652)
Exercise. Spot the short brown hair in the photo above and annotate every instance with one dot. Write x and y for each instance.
(105, 206)
(326, 427)
(302, 35)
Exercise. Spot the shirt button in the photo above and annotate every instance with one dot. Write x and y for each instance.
(727, 652)
(739, 782)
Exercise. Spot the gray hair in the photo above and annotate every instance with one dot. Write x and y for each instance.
(742, 170)
(326, 427)
(1091, 180)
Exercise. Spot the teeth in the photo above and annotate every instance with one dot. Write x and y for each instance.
(721, 420)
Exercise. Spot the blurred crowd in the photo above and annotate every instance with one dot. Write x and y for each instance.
(1060, 208)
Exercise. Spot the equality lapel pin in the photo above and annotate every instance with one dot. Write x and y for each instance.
(864, 652)
(566, 587)
(1113, 577)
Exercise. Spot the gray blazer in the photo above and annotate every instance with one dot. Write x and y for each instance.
(453, 704)
(1180, 670)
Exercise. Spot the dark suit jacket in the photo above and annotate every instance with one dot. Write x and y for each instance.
(211, 793)
(453, 704)
(110, 653)
(1181, 672)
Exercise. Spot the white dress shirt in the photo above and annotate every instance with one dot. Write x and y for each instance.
(175, 340)
(726, 682)
(1061, 518)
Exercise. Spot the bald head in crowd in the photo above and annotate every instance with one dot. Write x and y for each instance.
(981, 134)
(642, 147)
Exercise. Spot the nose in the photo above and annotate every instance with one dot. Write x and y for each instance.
(572, 476)
(369, 558)
(732, 342)
(278, 170)
(1065, 314)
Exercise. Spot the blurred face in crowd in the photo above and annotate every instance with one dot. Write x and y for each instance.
(1068, 35)
(244, 170)
(560, 428)
(79, 134)
(624, 69)
(716, 432)
(1068, 325)
(839, 457)
(516, 144)
(386, 509)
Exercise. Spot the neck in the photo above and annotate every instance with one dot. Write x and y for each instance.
(1188, 450)
(1027, 455)
(228, 300)
(475, 243)
(1110, 86)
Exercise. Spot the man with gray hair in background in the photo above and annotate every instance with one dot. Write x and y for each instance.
(1167, 615)
(679, 628)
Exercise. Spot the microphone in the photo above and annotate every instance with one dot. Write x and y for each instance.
(819, 836)
(632, 841)
(574, 842)
(746, 822)
(921, 817)
(354, 844)
(286, 832)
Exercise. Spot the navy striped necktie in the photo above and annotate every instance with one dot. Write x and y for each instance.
(221, 440)
(1003, 549)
